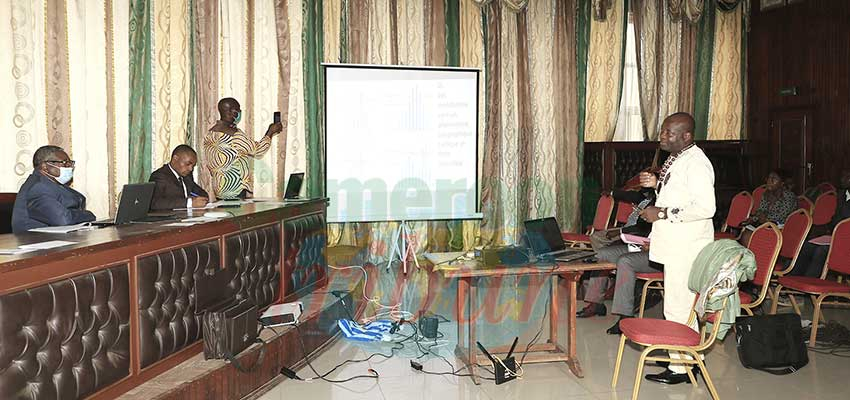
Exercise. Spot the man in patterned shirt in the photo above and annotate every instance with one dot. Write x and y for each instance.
(230, 152)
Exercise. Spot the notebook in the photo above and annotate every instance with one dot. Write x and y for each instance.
(133, 206)
(545, 241)
(293, 187)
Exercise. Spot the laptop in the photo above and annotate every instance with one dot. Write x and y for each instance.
(293, 187)
(545, 241)
(133, 206)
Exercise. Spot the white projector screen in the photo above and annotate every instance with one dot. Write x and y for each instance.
(401, 143)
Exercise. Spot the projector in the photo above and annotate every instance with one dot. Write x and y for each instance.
(504, 255)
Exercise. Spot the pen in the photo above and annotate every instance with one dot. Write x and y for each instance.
(193, 194)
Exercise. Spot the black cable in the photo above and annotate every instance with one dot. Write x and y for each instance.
(323, 376)
(454, 371)
(542, 321)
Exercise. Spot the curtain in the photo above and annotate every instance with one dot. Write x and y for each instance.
(67, 85)
(604, 73)
(691, 58)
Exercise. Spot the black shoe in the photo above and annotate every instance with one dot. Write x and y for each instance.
(666, 364)
(592, 309)
(615, 329)
(668, 378)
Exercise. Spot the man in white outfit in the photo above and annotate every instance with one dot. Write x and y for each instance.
(681, 221)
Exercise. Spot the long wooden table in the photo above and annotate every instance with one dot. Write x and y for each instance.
(123, 304)
(563, 277)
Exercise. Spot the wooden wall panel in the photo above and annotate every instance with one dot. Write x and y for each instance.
(806, 45)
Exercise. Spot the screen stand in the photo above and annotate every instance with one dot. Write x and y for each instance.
(403, 246)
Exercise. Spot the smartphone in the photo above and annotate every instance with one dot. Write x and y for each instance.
(275, 320)
(277, 117)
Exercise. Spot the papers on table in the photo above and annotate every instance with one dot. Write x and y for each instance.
(65, 228)
(824, 240)
(26, 248)
(181, 224)
(216, 204)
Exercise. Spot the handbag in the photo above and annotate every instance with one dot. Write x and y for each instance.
(771, 343)
(229, 328)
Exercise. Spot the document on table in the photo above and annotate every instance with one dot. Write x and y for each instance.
(26, 248)
(65, 228)
(181, 224)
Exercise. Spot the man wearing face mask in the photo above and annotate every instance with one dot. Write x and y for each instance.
(45, 199)
(230, 152)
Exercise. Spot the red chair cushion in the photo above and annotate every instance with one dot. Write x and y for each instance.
(575, 237)
(813, 285)
(650, 275)
(745, 297)
(658, 331)
(724, 235)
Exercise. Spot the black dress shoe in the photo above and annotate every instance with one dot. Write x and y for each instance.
(592, 309)
(666, 364)
(615, 329)
(668, 378)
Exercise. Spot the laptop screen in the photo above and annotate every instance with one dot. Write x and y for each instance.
(293, 187)
(544, 235)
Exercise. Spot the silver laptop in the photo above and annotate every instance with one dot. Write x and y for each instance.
(545, 241)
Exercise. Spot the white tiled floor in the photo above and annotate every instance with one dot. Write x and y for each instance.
(824, 378)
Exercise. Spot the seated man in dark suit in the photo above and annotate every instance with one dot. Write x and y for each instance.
(175, 187)
(45, 199)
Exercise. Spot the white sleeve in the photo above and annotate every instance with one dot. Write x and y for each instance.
(700, 203)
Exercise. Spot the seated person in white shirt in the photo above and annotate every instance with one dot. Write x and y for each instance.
(175, 186)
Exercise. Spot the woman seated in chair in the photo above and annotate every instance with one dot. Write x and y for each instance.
(777, 203)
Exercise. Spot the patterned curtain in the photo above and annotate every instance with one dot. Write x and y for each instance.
(605, 73)
(691, 58)
(63, 88)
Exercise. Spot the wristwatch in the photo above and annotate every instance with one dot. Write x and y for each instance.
(662, 213)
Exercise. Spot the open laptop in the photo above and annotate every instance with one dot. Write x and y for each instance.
(545, 241)
(133, 206)
(293, 187)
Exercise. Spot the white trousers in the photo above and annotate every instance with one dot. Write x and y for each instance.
(678, 299)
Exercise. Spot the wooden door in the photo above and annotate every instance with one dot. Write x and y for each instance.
(791, 138)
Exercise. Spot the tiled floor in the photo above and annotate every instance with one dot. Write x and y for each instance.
(824, 378)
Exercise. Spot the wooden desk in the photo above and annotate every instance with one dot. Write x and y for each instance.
(563, 278)
(123, 304)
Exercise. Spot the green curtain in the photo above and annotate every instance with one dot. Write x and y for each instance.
(314, 92)
(452, 33)
(702, 78)
(588, 191)
(141, 86)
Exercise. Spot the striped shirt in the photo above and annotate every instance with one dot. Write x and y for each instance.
(230, 159)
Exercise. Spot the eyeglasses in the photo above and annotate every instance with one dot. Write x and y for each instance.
(66, 163)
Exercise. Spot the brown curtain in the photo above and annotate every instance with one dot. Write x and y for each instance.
(206, 79)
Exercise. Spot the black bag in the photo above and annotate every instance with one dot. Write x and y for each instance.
(230, 328)
(771, 343)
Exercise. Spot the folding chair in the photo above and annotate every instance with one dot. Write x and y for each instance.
(838, 261)
(739, 211)
(604, 209)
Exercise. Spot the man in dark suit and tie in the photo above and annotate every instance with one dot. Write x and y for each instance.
(45, 199)
(175, 187)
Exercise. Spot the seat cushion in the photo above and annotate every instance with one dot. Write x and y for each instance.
(650, 275)
(575, 237)
(652, 331)
(724, 235)
(813, 285)
(746, 298)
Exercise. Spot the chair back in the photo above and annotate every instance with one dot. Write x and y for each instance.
(804, 203)
(7, 203)
(604, 209)
(794, 233)
(838, 259)
(824, 208)
(624, 210)
(757, 195)
(739, 210)
(765, 243)
(824, 187)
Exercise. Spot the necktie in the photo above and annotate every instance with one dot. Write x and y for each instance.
(183, 185)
